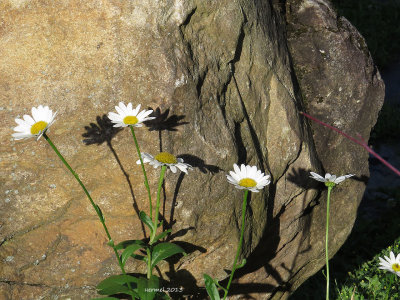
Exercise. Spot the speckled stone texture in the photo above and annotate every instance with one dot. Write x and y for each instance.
(227, 80)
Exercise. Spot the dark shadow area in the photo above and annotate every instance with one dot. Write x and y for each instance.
(164, 122)
(102, 132)
(197, 162)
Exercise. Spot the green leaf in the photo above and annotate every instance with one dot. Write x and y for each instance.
(114, 289)
(139, 257)
(147, 288)
(127, 243)
(161, 235)
(211, 288)
(100, 213)
(146, 220)
(163, 251)
(116, 279)
(117, 284)
(128, 252)
(242, 264)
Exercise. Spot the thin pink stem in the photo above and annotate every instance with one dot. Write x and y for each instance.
(361, 142)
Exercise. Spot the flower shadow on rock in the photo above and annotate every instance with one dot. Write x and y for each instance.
(163, 122)
(101, 132)
(104, 131)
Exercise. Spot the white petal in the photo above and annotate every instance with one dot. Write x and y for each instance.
(28, 119)
(114, 117)
(317, 177)
(147, 113)
(392, 257)
(236, 168)
(173, 168)
(36, 113)
(22, 128)
(235, 176)
(182, 167)
(20, 121)
(136, 110)
(120, 111)
(148, 119)
(21, 135)
(231, 179)
(243, 170)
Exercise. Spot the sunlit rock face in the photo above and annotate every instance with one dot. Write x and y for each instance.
(226, 80)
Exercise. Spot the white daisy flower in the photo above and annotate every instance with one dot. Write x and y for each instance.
(330, 179)
(35, 126)
(127, 116)
(391, 264)
(165, 159)
(248, 177)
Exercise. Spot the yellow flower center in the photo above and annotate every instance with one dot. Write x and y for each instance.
(38, 127)
(130, 120)
(396, 267)
(166, 158)
(247, 182)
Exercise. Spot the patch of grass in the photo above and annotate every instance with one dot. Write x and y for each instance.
(377, 21)
(369, 282)
(354, 269)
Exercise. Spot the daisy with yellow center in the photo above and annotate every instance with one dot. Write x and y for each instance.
(165, 159)
(391, 264)
(330, 180)
(35, 125)
(248, 177)
(127, 116)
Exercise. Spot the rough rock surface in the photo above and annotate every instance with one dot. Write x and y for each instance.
(221, 75)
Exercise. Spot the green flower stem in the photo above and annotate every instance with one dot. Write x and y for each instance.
(389, 286)
(96, 208)
(149, 271)
(163, 169)
(326, 241)
(244, 205)
(146, 182)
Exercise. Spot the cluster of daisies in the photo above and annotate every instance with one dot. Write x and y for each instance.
(243, 177)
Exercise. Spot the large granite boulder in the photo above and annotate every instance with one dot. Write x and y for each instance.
(227, 80)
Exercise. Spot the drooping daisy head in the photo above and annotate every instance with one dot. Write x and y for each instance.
(330, 180)
(391, 264)
(248, 177)
(35, 125)
(165, 159)
(127, 116)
